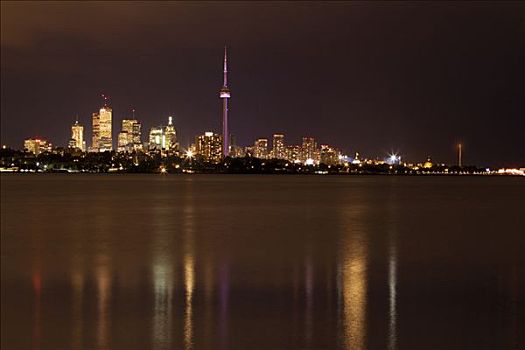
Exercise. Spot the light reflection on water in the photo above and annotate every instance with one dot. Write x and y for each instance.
(104, 282)
(198, 265)
(354, 278)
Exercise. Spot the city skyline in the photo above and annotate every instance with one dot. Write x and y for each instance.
(360, 76)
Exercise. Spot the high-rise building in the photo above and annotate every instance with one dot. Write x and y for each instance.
(224, 93)
(77, 137)
(102, 137)
(157, 139)
(209, 146)
(329, 155)
(37, 146)
(294, 153)
(129, 138)
(171, 136)
(164, 138)
(96, 132)
(105, 123)
(260, 148)
(309, 148)
(278, 150)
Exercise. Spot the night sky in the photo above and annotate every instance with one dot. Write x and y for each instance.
(370, 77)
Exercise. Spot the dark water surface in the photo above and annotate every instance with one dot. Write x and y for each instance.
(262, 262)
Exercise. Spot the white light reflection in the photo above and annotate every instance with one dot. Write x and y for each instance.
(392, 286)
(163, 289)
(189, 285)
(163, 279)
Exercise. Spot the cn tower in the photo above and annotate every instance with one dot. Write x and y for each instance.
(225, 95)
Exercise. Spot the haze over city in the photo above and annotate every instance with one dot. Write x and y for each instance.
(370, 77)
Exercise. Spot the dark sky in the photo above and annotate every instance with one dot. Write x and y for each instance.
(369, 77)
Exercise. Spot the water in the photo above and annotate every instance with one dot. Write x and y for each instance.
(262, 262)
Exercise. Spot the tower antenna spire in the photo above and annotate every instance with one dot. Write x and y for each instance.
(224, 94)
(225, 80)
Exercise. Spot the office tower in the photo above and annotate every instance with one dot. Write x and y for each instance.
(157, 139)
(224, 93)
(129, 138)
(329, 155)
(260, 148)
(102, 122)
(309, 148)
(278, 150)
(209, 147)
(294, 153)
(171, 136)
(37, 146)
(77, 137)
(105, 123)
(96, 132)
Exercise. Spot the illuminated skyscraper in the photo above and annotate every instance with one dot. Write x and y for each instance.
(309, 148)
(77, 137)
(129, 139)
(329, 155)
(171, 136)
(96, 132)
(278, 150)
(209, 147)
(260, 148)
(102, 122)
(157, 139)
(294, 153)
(105, 123)
(225, 95)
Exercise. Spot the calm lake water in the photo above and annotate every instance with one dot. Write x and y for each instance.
(262, 262)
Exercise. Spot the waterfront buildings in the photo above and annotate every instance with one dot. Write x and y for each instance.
(157, 139)
(260, 148)
(209, 146)
(278, 148)
(129, 139)
(164, 138)
(102, 137)
(329, 155)
(309, 151)
(170, 135)
(37, 146)
(294, 153)
(224, 94)
(77, 137)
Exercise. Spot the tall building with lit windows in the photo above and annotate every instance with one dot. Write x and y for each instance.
(309, 150)
(278, 149)
(37, 146)
(105, 124)
(329, 155)
(157, 139)
(129, 139)
(164, 138)
(260, 148)
(209, 147)
(95, 127)
(102, 137)
(171, 136)
(77, 137)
